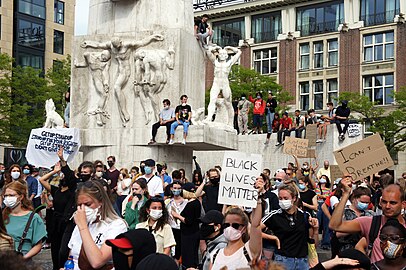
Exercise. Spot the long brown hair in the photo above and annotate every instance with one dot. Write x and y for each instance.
(21, 190)
(9, 179)
(3, 231)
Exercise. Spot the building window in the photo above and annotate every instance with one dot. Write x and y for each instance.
(265, 61)
(34, 8)
(321, 18)
(374, 12)
(332, 50)
(59, 12)
(30, 60)
(318, 54)
(332, 91)
(318, 95)
(266, 27)
(58, 42)
(31, 34)
(304, 96)
(228, 33)
(304, 56)
(379, 88)
(378, 47)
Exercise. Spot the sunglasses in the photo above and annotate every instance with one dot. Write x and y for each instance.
(277, 179)
(393, 238)
(234, 225)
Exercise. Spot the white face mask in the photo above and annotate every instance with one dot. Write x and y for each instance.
(99, 174)
(285, 204)
(91, 214)
(15, 175)
(155, 214)
(231, 234)
(10, 201)
(323, 181)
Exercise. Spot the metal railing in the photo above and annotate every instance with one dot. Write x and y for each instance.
(209, 4)
(379, 18)
(318, 28)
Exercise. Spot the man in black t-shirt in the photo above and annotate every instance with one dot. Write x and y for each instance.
(203, 30)
(341, 117)
(183, 114)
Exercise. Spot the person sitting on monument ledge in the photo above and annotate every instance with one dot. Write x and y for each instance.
(166, 118)
(183, 114)
(203, 30)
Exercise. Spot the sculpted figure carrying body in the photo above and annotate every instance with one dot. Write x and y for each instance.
(121, 51)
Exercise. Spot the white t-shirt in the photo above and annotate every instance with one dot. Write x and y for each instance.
(233, 262)
(127, 183)
(334, 200)
(100, 231)
(155, 186)
(164, 238)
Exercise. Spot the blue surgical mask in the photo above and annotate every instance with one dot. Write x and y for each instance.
(243, 98)
(176, 192)
(148, 170)
(258, 97)
(362, 206)
(26, 171)
(302, 187)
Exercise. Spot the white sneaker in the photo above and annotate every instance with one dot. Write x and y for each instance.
(171, 142)
(319, 141)
(183, 141)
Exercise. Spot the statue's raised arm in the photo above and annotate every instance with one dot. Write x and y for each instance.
(96, 45)
(236, 56)
(145, 41)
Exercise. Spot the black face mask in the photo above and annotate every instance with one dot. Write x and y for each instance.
(206, 230)
(215, 181)
(120, 260)
(142, 168)
(85, 177)
(111, 164)
(139, 196)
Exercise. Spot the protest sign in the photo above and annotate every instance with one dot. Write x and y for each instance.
(311, 134)
(311, 153)
(238, 177)
(295, 146)
(354, 130)
(44, 144)
(364, 158)
(335, 173)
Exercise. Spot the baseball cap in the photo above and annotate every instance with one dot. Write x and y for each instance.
(149, 162)
(213, 216)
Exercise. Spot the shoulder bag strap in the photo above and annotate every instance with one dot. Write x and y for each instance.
(27, 227)
(214, 256)
(373, 232)
(247, 256)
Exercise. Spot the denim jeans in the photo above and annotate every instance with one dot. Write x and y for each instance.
(176, 124)
(269, 120)
(323, 223)
(291, 263)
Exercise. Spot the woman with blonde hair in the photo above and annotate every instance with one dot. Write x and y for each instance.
(123, 187)
(25, 227)
(95, 221)
(6, 241)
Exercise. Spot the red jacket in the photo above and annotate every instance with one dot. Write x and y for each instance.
(259, 105)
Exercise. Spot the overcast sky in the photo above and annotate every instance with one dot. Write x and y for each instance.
(81, 17)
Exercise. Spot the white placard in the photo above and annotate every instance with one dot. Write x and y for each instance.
(44, 144)
(238, 176)
(354, 130)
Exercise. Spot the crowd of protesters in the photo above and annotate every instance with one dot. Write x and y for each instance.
(145, 217)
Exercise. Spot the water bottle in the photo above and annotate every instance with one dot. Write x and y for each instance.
(69, 264)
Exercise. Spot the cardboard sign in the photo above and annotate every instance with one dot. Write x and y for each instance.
(364, 158)
(44, 144)
(335, 173)
(311, 153)
(311, 134)
(296, 146)
(354, 130)
(240, 171)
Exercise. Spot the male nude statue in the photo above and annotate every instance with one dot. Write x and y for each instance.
(121, 50)
(222, 67)
(99, 67)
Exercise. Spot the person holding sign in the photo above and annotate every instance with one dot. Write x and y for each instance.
(392, 202)
(240, 252)
(291, 225)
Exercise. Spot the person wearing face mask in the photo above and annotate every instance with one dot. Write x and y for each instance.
(258, 113)
(325, 170)
(123, 188)
(291, 225)
(183, 114)
(112, 173)
(360, 200)
(341, 117)
(154, 218)
(18, 212)
(308, 196)
(155, 183)
(32, 184)
(240, 252)
(96, 221)
(2, 172)
(166, 118)
(14, 174)
(137, 198)
(99, 172)
(323, 191)
(243, 107)
(393, 243)
(63, 197)
(210, 190)
(175, 206)
(211, 231)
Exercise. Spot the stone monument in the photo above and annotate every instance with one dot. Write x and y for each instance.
(137, 53)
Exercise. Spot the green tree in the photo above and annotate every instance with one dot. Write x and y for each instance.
(23, 92)
(390, 124)
(58, 78)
